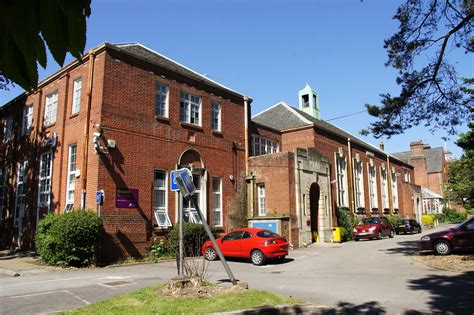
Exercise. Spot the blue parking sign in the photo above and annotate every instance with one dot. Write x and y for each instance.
(174, 184)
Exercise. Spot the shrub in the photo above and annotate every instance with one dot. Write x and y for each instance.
(68, 239)
(194, 235)
(451, 215)
(158, 249)
(394, 219)
(428, 219)
(347, 223)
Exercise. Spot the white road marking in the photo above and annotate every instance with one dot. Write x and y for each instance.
(51, 292)
(52, 280)
(118, 277)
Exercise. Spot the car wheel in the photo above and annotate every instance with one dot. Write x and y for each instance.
(392, 234)
(442, 248)
(356, 239)
(397, 232)
(210, 253)
(419, 230)
(257, 257)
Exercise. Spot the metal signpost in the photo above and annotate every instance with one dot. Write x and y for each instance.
(183, 179)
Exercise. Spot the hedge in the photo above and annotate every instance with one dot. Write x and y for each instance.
(194, 235)
(68, 239)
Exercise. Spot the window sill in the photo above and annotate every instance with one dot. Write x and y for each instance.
(49, 125)
(217, 133)
(191, 126)
(162, 118)
(74, 115)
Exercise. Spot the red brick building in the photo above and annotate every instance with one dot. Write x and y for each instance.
(302, 169)
(118, 122)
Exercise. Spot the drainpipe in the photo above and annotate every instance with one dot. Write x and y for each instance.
(61, 154)
(390, 192)
(85, 151)
(37, 132)
(351, 184)
(247, 102)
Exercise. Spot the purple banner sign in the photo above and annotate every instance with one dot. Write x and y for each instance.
(126, 198)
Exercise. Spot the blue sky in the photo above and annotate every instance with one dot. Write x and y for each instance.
(269, 50)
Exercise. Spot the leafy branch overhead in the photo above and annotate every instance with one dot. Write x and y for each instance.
(27, 26)
(432, 92)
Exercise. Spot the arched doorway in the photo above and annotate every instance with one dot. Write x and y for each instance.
(192, 160)
(314, 210)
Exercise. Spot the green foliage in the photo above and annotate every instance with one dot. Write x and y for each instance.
(158, 250)
(431, 93)
(68, 239)
(26, 27)
(347, 222)
(194, 236)
(460, 186)
(428, 219)
(394, 219)
(453, 216)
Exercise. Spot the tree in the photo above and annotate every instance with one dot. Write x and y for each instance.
(27, 26)
(431, 92)
(460, 187)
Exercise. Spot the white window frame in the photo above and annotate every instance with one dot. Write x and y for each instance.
(384, 188)
(71, 175)
(216, 116)
(44, 181)
(50, 109)
(20, 193)
(27, 120)
(359, 197)
(217, 194)
(394, 189)
(262, 146)
(341, 181)
(190, 108)
(8, 128)
(189, 212)
(161, 210)
(372, 173)
(162, 100)
(261, 200)
(76, 98)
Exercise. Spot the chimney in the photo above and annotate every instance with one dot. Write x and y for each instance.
(416, 148)
(382, 146)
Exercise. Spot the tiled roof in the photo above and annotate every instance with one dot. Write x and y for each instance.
(149, 55)
(434, 159)
(429, 194)
(281, 117)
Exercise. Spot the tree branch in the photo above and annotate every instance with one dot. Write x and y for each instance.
(445, 42)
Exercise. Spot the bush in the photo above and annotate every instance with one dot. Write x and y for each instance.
(394, 219)
(346, 222)
(68, 239)
(451, 215)
(194, 235)
(158, 249)
(428, 219)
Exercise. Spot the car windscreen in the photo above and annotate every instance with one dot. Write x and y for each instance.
(370, 221)
(267, 234)
(405, 222)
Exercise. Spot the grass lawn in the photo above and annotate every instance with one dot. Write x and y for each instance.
(149, 301)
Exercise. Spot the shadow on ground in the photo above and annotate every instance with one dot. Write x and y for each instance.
(342, 308)
(453, 294)
(404, 247)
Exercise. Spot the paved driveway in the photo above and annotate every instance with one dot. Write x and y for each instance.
(368, 276)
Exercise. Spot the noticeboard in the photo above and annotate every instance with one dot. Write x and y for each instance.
(126, 198)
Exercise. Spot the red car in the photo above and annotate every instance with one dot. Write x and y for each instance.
(256, 244)
(373, 228)
(459, 237)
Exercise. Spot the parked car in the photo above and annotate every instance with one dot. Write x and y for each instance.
(408, 226)
(461, 236)
(373, 228)
(256, 244)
